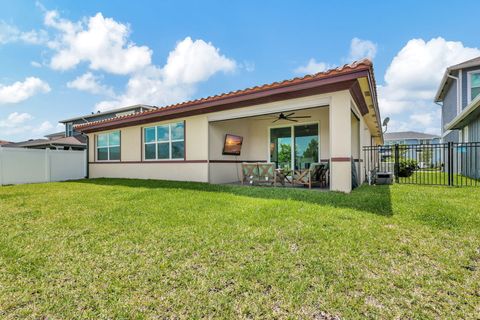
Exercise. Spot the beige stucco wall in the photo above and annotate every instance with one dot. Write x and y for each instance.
(133, 165)
(161, 171)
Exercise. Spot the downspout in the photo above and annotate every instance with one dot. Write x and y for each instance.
(87, 153)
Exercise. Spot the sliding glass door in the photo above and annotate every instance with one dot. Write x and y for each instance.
(281, 147)
(294, 147)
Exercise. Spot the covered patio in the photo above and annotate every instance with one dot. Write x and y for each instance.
(293, 137)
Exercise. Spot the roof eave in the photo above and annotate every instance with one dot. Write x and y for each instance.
(199, 106)
(459, 121)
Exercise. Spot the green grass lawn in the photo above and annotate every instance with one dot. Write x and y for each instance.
(111, 248)
(432, 177)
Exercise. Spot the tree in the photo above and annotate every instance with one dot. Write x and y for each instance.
(284, 155)
(312, 150)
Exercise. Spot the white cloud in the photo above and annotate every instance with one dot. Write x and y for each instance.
(194, 61)
(188, 64)
(43, 127)
(15, 119)
(312, 67)
(101, 42)
(20, 124)
(415, 73)
(412, 79)
(90, 83)
(20, 91)
(10, 33)
(360, 49)
(35, 64)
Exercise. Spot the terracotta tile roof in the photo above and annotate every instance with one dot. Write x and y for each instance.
(361, 65)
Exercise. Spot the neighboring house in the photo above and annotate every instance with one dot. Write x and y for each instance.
(98, 116)
(54, 141)
(425, 155)
(334, 113)
(410, 138)
(459, 93)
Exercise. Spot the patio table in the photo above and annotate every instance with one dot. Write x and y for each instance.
(285, 176)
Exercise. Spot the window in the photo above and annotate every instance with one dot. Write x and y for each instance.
(164, 142)
(69, 129)
(108, 146)
(474, 81)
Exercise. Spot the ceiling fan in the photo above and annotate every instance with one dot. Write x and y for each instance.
(283, 116)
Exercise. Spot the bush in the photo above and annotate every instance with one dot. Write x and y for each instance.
(407, 167)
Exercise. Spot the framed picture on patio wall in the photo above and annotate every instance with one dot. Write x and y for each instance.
(232, 145)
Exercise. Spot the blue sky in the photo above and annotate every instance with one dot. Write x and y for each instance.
(63, 59)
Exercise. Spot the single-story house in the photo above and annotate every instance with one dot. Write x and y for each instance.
(332, 114)
(54, 141)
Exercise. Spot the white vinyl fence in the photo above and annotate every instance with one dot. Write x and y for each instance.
(19, 165)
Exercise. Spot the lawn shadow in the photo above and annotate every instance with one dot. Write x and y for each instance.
(372, 199)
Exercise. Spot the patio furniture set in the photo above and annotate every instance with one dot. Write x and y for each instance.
(260, 173)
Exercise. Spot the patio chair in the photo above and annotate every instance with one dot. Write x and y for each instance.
(316, 175)
(249, 173)
(267, 174)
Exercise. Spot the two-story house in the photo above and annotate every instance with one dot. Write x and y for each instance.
(410, 138)
(459, 96)
(71, 139)
(99, 116)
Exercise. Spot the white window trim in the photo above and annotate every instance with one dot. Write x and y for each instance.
(108, 146)
(169, 142)
(469, 84)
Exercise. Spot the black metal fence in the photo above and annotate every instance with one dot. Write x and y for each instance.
(451, 164)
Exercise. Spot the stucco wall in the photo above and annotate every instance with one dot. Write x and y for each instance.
(182, 171)
(133, 164)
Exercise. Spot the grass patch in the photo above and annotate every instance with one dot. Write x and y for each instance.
(431, 177)
(114, 248)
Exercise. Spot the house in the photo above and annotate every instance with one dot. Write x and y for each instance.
(3, 142)
(410, 138)
(426, 154)
(331, 114)
(459, 95)
(56, 141)
(97, 116)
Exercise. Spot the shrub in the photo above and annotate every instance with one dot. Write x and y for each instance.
(407, 167)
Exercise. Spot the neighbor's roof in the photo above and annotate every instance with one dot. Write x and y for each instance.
(322, 82)
(74, 141)
(445, 80)
(111, 111)
(408, 135)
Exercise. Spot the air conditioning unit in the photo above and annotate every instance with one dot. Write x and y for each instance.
(384, 178)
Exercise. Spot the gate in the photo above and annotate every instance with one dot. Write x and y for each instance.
(450, 164)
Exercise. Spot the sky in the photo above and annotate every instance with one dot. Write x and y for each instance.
(62, 59)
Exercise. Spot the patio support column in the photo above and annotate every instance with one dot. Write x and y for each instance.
(340, 142)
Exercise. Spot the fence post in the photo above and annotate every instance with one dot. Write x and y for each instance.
(397, 163)
(1, 168)
(450, 163)
(47, 165)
